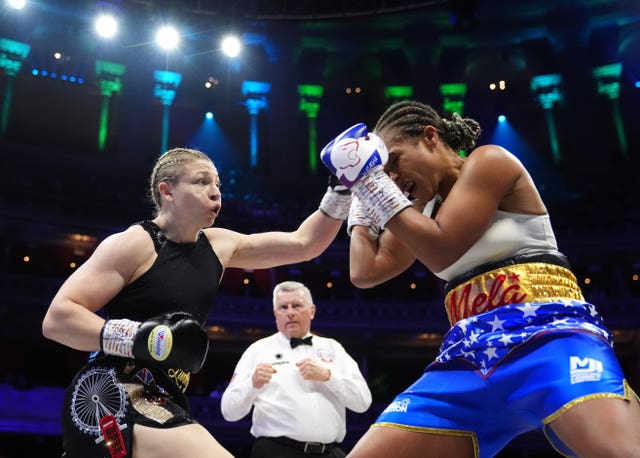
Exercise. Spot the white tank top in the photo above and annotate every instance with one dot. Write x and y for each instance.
(509, 234)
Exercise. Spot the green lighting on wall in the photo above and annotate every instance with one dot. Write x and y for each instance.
(109, 82)
(453, 97)
(109, 74)
(310, 95)
(546, 88)
(398, 92)
(608, 80)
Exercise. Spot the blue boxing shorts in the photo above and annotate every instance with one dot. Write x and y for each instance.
(533, 385)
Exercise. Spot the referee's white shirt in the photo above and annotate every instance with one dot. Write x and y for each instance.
(290, 406)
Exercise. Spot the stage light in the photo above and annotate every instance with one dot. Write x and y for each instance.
(17, 4)
(492, 86)
(208, 115)
(106, 26)
(231, 45)
(502, 118)
(637, 84)
(167, 38)
(57, 55)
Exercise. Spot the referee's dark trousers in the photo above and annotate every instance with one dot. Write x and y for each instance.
(283, 447)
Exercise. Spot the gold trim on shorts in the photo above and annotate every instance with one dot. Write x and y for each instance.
(514, 284)
(628, 394)
(445, 432)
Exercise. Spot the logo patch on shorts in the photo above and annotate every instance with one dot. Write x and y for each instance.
(584, 369)
(160, 342)
(398, 406)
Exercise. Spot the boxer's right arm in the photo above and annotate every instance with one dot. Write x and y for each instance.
(174, 340)
(71, 319)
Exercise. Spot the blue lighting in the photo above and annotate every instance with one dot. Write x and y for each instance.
(208, 115)
(638, 84)
(502, 118)
(255, 87)
(72, 79)
(63, 77)
(54, 75)
(211, 140)
(44, 73)
(507, 136)
(34, 72)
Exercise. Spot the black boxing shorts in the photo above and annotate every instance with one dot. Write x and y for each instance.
(108, 397)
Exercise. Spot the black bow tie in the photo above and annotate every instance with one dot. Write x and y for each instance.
(295, 341)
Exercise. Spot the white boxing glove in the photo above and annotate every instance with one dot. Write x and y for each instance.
(353, 153)
(357, 158)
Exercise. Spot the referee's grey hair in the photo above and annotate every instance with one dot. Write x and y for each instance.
(288, 286)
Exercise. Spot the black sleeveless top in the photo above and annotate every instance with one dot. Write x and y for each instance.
(184, 277)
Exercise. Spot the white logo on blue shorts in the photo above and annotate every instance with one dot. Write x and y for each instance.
(584, 369)
(398, 406)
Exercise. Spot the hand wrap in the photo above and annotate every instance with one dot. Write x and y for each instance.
(358, 217)
(336, 201)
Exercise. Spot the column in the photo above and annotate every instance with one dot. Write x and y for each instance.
(255, 99)
(166, 84)
(109, 81)
(546, 89)
(608, 81)
(310, 95)
(12, 54)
